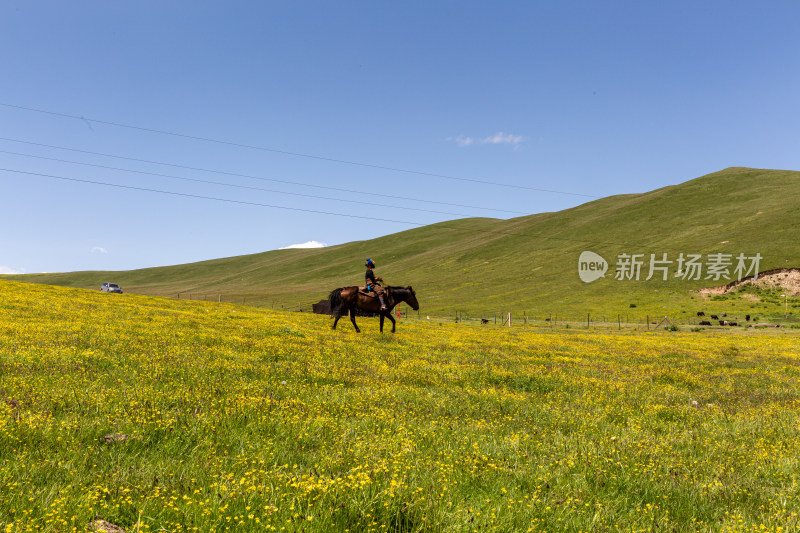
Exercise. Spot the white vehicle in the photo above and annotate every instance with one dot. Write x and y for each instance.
(110, 287)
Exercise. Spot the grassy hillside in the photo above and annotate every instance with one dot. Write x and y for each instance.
(162, 415)
(526, 264)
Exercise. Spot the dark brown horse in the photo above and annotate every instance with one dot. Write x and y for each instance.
(347, 299)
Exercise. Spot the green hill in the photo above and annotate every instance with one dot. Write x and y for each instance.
(527, 264)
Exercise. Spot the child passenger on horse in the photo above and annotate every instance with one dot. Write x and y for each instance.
(372, 283)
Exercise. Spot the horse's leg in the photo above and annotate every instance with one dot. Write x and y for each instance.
(337, 314)
(353, 319)
(381, 322)
(393, 321)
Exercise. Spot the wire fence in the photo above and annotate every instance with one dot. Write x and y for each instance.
(618, 321)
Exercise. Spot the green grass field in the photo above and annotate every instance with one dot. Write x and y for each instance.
(522, 265)
(171, 415)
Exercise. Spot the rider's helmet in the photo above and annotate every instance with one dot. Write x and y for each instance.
(370, 263)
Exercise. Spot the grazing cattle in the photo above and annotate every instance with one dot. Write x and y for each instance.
(723, 322)
(705, 323)
(323, 307)
(724, 314)
(700, 313)
(733, 323)
(747, 317)
(484, 320)
(714, 317)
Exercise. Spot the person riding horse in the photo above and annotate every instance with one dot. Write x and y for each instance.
(372, 283)
(346, 300)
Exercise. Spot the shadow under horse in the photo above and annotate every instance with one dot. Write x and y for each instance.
(347, 299)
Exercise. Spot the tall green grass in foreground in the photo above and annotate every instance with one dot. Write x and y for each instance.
(162, 415)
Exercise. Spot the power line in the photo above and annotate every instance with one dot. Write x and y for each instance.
(201, 197)
(304, 210)
(209, 182)
(261, 178)
(295, 154)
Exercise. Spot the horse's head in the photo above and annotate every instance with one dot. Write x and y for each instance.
(411, 298)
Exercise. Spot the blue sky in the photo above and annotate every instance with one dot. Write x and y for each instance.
(586, 99)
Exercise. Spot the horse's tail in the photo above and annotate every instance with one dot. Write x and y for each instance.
(335, 300)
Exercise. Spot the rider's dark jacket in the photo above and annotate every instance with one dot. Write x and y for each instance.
(369, 277)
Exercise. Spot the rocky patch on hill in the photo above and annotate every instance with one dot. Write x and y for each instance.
(782, 279)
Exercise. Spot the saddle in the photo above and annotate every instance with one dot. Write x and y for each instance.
(363, 290)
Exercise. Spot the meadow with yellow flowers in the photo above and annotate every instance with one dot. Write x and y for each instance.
(169, 415)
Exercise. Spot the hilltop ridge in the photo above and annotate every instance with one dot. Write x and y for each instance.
(528, 263)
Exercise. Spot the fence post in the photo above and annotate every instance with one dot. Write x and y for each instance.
(648, 321)
(587, 320)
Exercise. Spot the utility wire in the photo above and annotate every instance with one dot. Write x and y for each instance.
(260, 178)
(304, 210)
(201, 197)
(295, 154)
(209, 182)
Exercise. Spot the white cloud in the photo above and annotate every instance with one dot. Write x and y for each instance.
(99, 250)
(8, 270)
(497, 138)
(461, 140)
(502, 138)
(309, 244)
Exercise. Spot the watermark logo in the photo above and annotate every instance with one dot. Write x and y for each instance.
(591, 267)
(686, 266)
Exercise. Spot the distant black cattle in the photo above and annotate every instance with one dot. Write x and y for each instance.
(724, 314)
(705, 323)
(484, 320)
(700, 313)
(714, 317)
(723, 322)
(747, 317)
(323, 307)
(733, 323)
